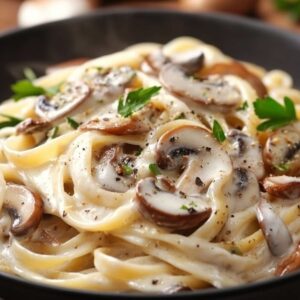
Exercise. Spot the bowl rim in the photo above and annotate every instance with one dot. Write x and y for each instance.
(203, 293)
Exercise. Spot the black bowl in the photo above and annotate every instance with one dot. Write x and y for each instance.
(104, 32)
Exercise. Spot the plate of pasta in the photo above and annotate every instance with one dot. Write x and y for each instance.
(162, 169)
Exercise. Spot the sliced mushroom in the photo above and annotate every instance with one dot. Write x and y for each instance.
(108, 84)
(68, 99)
(25, 208)
(243, 191)
(283, 186)
(190, 61)
(290, 263)
(194, 151)
(236, 68)
(282, 151)
(117, 125)
(108, 167)
(162, 204)
(245, 152)
(214, 90)
(276, 233)
(154, 62)
(30, 126)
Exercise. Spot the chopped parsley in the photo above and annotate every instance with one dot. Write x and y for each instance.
(54, 132)
(283, 167)
(136, 100)
(218, 132)
(180, 116)
(275, 114)
(127, 170)
(235, 250)
(25, 88)
(29, 74)
(244, 106)
(72, 123)
(10, 122)
(154, 169)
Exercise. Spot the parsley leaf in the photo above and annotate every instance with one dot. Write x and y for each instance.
(10, 122)
(136, 100)
(29, 74)
(127, 170)
(277, 115)
(54, 132)
(154, 169)
(25, 88)
(283, 167)
(180, 116)
(244, 106)
(218, 132)
(72, 123)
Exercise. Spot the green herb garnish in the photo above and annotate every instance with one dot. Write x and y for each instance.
(244, 106)
(218, 132)
(54, 132)
(184, 207)
(283, 167)
(136, 100)
(127, 170)
(25, 88)
(180, 116)
(277, 115)
(72, 123)
(29, 74)
(154, 169)
(10, 122)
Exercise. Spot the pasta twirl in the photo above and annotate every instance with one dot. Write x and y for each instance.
(150, 170)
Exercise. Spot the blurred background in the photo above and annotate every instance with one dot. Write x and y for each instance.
(281, 13)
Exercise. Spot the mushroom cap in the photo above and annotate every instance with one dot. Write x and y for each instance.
(283, 149)
(290, 263)
(214, 91)
(167, 209)
(283, 186)
(68, 99)
(236, 68)
(30, 126)
(195, 150)
(116, 125)
(276, 233)
(24, 207)
(107, 168)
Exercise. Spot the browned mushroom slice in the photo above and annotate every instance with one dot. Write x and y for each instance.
(170, 209)
(236, 68)
(30, 126)
(72, 95)
(282, 151)
(193, 150)
(113, 168)
(24, 207)
(276, 233)
(283, 186)
(246, 152)
(290, 263)
(117, 125)
(214, 90)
